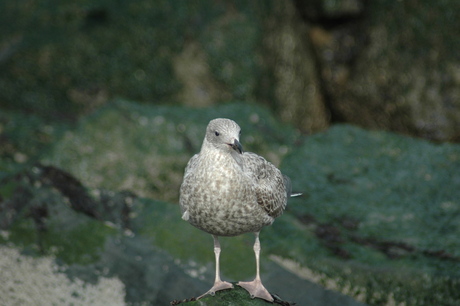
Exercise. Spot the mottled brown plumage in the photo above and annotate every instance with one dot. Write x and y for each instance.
(228, 192)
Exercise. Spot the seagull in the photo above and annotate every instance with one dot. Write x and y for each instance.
(229, 192)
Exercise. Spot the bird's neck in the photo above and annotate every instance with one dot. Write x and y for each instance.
(225, 158)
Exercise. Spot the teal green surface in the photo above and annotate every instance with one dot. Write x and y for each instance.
(378, 217)
(145, 149)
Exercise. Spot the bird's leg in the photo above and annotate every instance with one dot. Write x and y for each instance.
(255, 288)
(218, 283)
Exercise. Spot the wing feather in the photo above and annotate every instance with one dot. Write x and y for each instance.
(272, 187)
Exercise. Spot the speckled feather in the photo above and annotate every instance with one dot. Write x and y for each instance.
(226, 193)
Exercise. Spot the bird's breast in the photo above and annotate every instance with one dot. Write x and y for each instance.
(221, 200)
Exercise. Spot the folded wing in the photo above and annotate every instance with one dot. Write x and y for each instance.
(272, 187)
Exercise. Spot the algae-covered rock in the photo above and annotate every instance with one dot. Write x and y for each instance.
(62, 60)
(70, 57)
(379, 217)
(80, 247)
(379, 64)
(107, 247)
(24, 138)
(230, 297)
(145, 149)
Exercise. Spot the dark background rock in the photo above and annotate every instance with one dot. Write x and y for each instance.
(391, 66)
(297, 95)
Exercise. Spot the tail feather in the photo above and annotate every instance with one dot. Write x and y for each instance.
(288, 186)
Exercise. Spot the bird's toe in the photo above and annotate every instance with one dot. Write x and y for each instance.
(256, 290)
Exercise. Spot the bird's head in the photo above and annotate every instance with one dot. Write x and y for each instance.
(224, 134)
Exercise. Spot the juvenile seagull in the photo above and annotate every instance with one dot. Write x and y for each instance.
(228, 192)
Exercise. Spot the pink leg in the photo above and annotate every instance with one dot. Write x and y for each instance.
(255, 288)
(218, 283)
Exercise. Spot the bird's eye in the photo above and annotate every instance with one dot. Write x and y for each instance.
(240, 132)
(217, 133)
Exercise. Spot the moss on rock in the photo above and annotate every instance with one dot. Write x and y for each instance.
(145, 149)
(379, 215)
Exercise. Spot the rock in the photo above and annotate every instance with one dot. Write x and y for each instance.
(291, 61)
(377, 221)
(90, 252)
(208, 54)
(235, 296)
(381, 209)
(323, 11)
(144, 149)
(28, 280)
(112, 251)
(346, 61)
(23, 137)
(393, 67)
(199, 86)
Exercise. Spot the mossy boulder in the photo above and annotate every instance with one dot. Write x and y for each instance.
(379, 216)
(67, 239)
(108, 247)
(63, 60)
(145, 149)
(377, 220)
(83, 53)
(232, 297)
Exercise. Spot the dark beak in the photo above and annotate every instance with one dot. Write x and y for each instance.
(237, 146)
